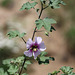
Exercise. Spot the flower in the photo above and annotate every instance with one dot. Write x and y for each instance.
(34, 48)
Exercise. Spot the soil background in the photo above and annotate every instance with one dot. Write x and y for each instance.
(57, 46)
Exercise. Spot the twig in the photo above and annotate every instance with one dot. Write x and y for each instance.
(23, 40)
(22, 66)
(47, 6)
(33, 34)
(38, 18)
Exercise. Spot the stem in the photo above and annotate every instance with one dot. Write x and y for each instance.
(47, 6)
(22, 66)
(23, 40)
(38, 18)
(33, 34)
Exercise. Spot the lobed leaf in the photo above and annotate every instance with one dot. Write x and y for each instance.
(46, 23)
(24, 74)
(8, 62)
(55, 3)
(42, 59)
(66, 69)
(12, 69)
(22, 35)
(43, 53)
(2, 72)
(28, 62)
(28, 6)
(13, 34)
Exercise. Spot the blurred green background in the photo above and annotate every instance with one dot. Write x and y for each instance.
(60, 44)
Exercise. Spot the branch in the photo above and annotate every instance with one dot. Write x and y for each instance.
(38, 18)
(23, 40)
(33, 34)
(47, 6)
(22, 66)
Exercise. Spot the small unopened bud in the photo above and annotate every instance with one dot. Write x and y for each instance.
(11, 62)
(44, 2)
(47, 33)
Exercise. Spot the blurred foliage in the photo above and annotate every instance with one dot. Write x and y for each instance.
(5, 52)
(28, 6)
(70, 36)
(66, 70)
(13, 34)
(13, 66)
(70, 7)
(6, 3)
(43, 59)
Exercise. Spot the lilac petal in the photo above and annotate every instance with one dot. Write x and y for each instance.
(29, 43)
(28, 53)
(35, 54)
(42, 46)
(38, 40)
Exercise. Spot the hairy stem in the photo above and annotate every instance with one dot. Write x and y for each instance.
(38, 18)
(33, 34)
(23, 40)
(22, 66)
(47, 6)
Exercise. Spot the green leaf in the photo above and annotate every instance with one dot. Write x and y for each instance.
(8, 61)
(63, 3)
(28, 62)
(19, 59)
(71, 73)
(13, 69)
(55, 72)
(12, 34)
(2, 72)
(55, 3)
(52, 58)
(46, 23)
(32, 0)
(28, 6)
(25, 66)
(49, 74)
(24, 74)
(43, 53)
(52, 28)
(66, 69)
(6, 3)
(22, 35)
(43, 58)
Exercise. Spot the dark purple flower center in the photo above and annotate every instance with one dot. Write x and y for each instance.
(34, 47)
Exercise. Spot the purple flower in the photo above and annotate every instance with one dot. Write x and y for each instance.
(34, 48)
